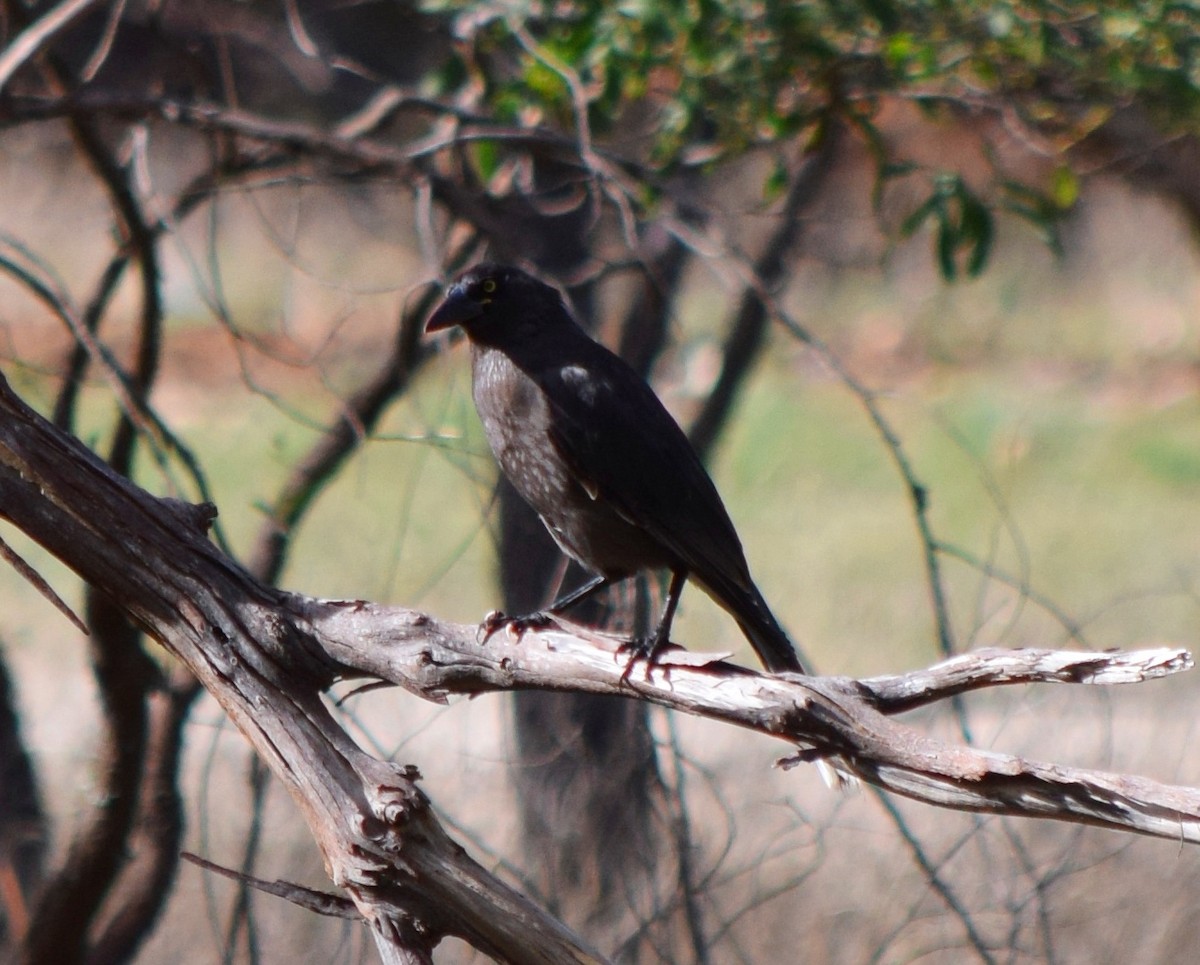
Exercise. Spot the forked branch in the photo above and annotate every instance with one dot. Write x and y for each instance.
(269, 656)
(840, 720)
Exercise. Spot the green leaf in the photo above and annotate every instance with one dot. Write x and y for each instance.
(898, 49)
(1064, 187)
(485, 155)
(776, 182)
(947, 242)
(545, 83)
(896, 169)
(976, 229)
(1122, 25)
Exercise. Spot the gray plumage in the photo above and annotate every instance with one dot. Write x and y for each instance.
(587, 443)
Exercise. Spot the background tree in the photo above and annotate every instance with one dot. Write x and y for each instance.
(682, 169)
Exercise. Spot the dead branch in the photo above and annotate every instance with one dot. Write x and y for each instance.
(994, 667)
(268, 656)
(35, 36)
(828, 718)
(376, 830)
(315, 901)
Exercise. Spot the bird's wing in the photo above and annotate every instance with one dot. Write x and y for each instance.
(624, 447)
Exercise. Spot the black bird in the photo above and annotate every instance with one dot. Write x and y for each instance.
(588, 445)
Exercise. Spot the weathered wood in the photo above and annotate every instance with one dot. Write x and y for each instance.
(381, 843)
(829, 718)
(267, 656)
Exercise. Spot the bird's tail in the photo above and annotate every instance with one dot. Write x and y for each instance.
(774, 648)
(769, 640)
(741, 599)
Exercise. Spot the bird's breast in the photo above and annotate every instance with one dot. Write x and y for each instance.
(516, 421)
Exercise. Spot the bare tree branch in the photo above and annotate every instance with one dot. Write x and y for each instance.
(38, 582)
(749, 325)
(130, 912)
(232, 628)
(319, 902)
(827, 717)
(34, 37)
(936, 879)
(992, 667)
(124, 673)
(266, 656)
(379, 837)
(23, 824)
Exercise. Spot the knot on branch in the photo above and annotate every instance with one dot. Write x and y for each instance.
(396, 801)
(198, 517)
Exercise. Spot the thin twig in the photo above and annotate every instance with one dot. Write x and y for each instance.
(13, 559)
(319, 902)
(30, 40)
(934, 878)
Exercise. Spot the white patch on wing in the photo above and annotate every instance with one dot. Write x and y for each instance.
(582, 381)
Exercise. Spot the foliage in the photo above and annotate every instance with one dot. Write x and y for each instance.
(721, 77)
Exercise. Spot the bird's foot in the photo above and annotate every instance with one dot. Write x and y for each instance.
(647, 649)
(515, 626)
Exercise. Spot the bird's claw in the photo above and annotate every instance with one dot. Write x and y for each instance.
(648, 649)
(513, 626)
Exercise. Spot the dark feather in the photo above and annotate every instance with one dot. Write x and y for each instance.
(588, 444)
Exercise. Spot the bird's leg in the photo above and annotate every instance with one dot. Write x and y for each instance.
(648, 648)
(541, 618)
(567, 600)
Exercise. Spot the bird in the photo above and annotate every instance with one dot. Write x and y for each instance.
(586, 442)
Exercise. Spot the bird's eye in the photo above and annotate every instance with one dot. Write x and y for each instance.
(489, 286)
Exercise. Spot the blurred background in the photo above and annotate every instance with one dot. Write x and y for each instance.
(922, 283)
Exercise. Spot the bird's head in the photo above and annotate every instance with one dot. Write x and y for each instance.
(493, 302)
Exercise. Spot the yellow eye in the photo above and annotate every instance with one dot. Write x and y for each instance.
(489, 285)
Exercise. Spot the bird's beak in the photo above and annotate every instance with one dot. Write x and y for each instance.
(459, 307)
